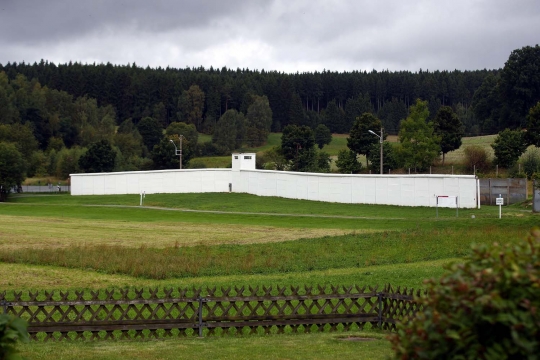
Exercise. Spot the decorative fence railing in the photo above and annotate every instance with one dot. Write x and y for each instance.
(118, 314)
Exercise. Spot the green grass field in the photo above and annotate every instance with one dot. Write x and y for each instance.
(62, 242)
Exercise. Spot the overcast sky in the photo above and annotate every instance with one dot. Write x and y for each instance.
(283, 35)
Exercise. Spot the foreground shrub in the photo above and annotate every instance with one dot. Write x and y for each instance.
(485, 308)
(12, 329)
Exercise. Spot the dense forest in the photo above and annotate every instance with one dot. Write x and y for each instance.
(59, 117)
(333, 98)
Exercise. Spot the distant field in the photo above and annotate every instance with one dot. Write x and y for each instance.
(457, 156)
(339, 142)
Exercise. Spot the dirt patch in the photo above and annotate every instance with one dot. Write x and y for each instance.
(355, 338)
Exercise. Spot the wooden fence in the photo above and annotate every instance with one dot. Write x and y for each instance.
(147, 313)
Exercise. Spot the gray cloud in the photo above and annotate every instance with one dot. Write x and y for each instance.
(59, 19)
(293, 35)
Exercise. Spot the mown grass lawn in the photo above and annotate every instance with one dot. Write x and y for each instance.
(301, 346)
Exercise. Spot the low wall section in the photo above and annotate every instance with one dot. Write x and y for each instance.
(404, 190)
(152, 182)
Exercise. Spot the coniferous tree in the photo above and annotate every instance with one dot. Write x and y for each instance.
(448, 127)
(419, 145)
(258, 121)
(229, 131)
(520, 85)
(191, 105)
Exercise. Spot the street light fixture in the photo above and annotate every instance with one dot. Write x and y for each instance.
(178, 151)
(381, 142)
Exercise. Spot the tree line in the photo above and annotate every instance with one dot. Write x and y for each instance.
(332, 98)
(61, 119)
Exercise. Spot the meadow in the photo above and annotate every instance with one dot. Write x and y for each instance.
(63, 242)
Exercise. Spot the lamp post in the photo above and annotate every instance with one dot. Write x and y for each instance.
(178, 151)
(381, 142)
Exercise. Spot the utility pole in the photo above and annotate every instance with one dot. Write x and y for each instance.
(381, 142)
(178, 151)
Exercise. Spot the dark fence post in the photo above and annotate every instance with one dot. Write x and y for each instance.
(5, 305)
(379, 296)
(201, 324)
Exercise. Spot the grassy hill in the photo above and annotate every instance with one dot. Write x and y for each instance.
(339, 142)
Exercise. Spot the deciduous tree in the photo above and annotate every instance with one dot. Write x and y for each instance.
(297, 146)
(532, 136)
(12, 168)
(189, 141)
(164, 156)
(347, 162)
(151, 132)
(508, 147)
(100, 157)
(323, 136)
(389, 157)
(360, 140)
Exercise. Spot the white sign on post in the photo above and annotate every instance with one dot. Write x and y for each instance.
(499, 201)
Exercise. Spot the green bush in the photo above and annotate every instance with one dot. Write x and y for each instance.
(530, 161)
(476, 157)
(485, 308)
(12, 329)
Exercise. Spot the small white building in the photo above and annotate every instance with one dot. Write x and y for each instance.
(243, 161)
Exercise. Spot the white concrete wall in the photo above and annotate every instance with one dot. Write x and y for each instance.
(404, 190)
(152, 182)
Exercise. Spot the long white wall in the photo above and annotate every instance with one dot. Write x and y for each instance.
(404, 190)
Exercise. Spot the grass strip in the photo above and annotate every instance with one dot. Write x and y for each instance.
(298, 346)
(247, 203)
(22, 277)
(354, 250)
